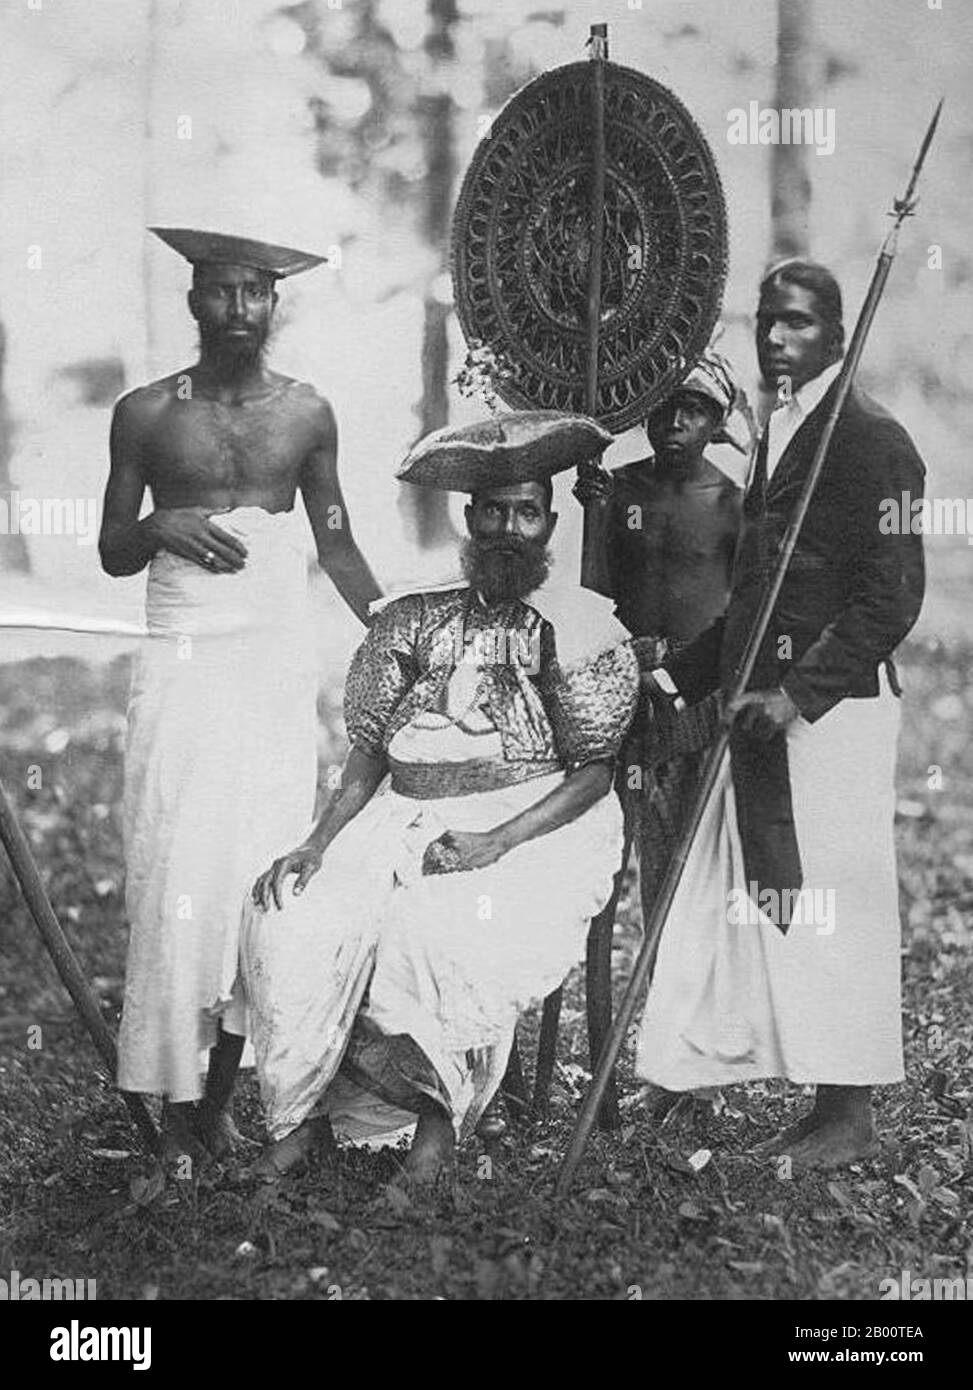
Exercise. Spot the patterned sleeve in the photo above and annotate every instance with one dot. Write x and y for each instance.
(382, 671)
(591, 706)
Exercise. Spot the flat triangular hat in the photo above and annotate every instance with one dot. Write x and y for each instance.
(199, 247)
(517, 446)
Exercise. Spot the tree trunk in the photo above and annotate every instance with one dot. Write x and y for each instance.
(790, 181)
(430, 508)
(13, 548)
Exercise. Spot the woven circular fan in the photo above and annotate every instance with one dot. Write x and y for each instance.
(521, 245)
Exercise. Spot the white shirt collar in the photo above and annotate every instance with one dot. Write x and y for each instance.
(813, 392)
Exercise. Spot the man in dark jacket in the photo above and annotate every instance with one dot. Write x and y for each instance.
(780, 954)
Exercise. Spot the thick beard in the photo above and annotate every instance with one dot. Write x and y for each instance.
(502, 568)
(232, 357)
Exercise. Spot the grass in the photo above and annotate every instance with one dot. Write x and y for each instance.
(76, 1196)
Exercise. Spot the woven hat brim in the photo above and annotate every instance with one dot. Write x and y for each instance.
(515, 447)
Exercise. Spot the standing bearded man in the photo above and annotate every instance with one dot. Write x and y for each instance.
(220, 765)
(780, 955)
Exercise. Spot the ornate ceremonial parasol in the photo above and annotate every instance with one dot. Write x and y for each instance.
(590, 154)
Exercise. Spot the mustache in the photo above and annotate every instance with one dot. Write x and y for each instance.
(504, 567)
(232, 354)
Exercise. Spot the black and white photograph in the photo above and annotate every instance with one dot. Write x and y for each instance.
(486, 737)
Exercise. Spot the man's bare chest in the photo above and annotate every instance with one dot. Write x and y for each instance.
(228, 446)
(691, 526)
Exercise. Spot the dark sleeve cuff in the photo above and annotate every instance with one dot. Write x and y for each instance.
(811, 704)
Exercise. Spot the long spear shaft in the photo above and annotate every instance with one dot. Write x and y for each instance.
(902, 208)
(65, 961)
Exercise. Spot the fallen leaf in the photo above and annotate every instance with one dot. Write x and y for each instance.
(144, 1190)
(325, 1220)
(699, 1159)
(439, 1248)
(397, 1198)
(928, 1179)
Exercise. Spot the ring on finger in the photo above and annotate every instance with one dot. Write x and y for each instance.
(209, 557)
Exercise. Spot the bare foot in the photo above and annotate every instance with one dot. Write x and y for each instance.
(219, 1133)
(290, 1154)
(785, 1140)
(839, 1130)
(835, 1143)
(179, 1138)
(432, 1148)
(660, 1103)
(492, 1124)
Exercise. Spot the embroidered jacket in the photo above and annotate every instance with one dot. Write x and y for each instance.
(545, 707)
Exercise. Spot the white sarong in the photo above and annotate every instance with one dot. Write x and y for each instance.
(220, 771)
(733, 998)
(456, 957)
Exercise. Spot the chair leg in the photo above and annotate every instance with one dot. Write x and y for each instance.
(598, 989)
(513, 1087)
(546, 1053)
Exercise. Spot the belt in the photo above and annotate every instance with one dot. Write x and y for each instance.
(429, 781)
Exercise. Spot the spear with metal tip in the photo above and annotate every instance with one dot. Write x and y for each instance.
(901, 209)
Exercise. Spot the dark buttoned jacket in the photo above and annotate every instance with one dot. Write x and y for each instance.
(852, 590)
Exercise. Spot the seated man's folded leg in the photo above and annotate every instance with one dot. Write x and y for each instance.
(306, 969)
(462, 955)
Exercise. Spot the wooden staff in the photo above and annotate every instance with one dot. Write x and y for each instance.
(65, 961)
(598, 952)
(902, 208)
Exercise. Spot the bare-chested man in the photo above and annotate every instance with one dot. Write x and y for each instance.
(670, 535)
(220, 760)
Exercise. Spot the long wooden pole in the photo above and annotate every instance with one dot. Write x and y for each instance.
(65, 962)
(590, 560)
(902, 208)
(598, 990)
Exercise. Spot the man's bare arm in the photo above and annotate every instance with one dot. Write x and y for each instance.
(360, 779)
(126, 544)
(338, 552)
(570, 799)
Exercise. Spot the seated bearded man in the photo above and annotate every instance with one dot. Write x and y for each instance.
(431, 909)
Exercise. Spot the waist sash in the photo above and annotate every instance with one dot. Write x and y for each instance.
(430, 781)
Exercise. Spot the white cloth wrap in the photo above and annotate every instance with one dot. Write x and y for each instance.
(220, 772)
(456, 957)
(736, 1000)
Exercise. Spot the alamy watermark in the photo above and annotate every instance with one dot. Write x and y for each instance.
(789, 126)
(18, 1289)
(926, 516)
(49, 516)
(908, 1289)
(491, 647)
(785, 907)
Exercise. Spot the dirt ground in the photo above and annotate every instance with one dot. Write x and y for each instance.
(78, 1199)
